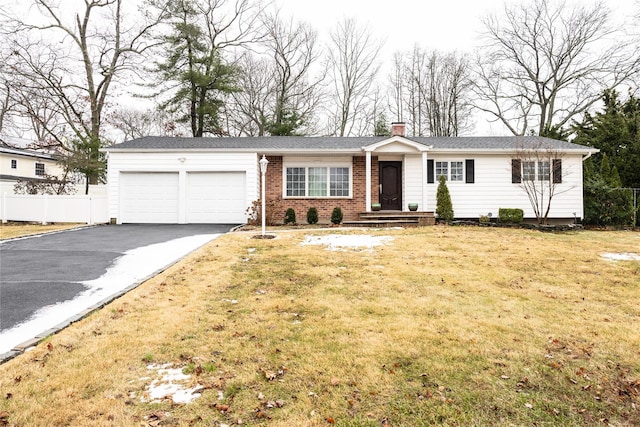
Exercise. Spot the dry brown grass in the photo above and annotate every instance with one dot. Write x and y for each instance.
(443, 326)
(20, 229)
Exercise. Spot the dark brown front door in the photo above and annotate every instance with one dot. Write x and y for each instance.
(391, 185)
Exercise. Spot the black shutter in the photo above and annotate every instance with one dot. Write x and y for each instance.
(430, 175)
(557, 171)
(469, 166)
(516, 173)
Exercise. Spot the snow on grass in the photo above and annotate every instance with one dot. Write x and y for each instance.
(132, 267)
(336, 242)
(625, 256)
(171, 385)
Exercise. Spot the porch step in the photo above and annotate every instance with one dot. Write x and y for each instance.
(393, 219)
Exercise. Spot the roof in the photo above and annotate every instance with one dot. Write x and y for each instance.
(27, 153)
(272, 144)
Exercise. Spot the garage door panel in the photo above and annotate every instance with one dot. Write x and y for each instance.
(149, 197)
(216, 197)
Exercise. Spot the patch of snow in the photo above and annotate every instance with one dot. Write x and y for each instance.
(132, 267)
(625, 256)
(171, 385)
(335, 242)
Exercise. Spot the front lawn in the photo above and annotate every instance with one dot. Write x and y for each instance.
(438, 325)
(11, 230)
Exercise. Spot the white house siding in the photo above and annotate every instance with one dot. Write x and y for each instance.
(26, 165)
(412, 185)
(182, 163)
(493, 188)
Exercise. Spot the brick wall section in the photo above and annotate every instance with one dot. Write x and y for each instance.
(350, 207)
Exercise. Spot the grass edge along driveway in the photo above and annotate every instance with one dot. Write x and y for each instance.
(439, 325)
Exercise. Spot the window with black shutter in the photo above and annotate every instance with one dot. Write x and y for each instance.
(516, 173)
(469, 171)
(430, 172)
(557, 171)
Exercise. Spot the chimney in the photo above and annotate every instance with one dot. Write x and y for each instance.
(397, 129)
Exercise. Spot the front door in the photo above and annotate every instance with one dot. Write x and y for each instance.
(391, 185)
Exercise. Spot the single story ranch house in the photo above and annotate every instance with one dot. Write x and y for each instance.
(214, 180)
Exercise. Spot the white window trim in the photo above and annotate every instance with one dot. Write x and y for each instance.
(14, 164)
(316, 164)
(448, 176)
(35, 171)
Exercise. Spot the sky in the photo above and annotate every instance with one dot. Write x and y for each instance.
(441, 24)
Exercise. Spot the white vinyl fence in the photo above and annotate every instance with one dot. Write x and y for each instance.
(49, 208)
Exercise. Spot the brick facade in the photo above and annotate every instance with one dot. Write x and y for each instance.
(350, 207)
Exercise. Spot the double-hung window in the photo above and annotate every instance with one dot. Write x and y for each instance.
(544, 171)
(457, 171)
(39, 169)
(442, 169)
(528, 171)
(14, 164)
(318, 181)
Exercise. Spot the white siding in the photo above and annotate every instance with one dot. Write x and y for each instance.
(412, 185)
(493, 189)
(181, 163)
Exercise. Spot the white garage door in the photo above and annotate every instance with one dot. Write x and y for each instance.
(149, 197)
(216, 197)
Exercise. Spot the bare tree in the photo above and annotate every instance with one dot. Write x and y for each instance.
(539, 67)
(353, 65)
(134, 123)
(539, 172)
(432, 90)
(253, 105)
(293, 49)
(74, 57)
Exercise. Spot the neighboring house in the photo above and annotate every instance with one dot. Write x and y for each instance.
(25, 164)
(215, 180)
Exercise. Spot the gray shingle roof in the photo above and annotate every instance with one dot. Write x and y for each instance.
(328, 144)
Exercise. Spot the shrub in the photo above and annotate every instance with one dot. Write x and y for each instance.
(290, 216)
(513, 215)
(272, 210)
(484, 219)
(336, 215)
(444, 207)
(312, 215)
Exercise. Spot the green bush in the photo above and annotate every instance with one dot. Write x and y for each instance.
(444, 207)
(336, 215)
(484, 219)
(290, 216)
(512, 215)
(312, 215)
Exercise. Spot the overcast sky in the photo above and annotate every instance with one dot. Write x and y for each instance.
(440, 24)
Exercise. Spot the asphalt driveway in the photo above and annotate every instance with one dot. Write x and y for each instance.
(46, 270)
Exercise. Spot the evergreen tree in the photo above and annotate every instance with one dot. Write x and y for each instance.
(444, 207)
(616, 132)
(605, 203)
(193, 67)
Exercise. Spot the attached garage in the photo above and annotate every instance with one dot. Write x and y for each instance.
(149, 197)
(216, 197)
(164, 185)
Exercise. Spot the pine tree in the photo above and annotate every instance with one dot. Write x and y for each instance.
(444, 207)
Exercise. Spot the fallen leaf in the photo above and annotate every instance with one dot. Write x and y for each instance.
(330, 420)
